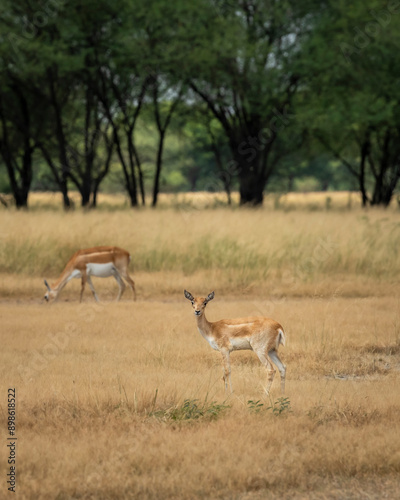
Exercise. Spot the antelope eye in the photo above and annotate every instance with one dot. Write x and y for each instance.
(204, 303)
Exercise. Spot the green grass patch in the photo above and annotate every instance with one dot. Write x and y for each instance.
(191, 410)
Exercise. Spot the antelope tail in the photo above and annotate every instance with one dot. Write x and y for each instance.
(281, 339)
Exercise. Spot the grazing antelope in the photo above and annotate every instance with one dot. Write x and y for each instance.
(262, 335)
(102, 262)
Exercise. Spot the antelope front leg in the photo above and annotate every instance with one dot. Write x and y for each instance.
(92, 288)
(83, 283)
(227, 369)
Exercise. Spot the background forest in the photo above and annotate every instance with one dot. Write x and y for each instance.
(189, 106)
(156, 96)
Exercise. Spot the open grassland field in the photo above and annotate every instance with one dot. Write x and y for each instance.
(125, 400)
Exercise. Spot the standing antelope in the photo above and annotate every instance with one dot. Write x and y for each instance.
(97, 261)
(262, 335)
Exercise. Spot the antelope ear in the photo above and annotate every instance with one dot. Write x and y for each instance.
(188, 295)
(210, 296)
(47, 285)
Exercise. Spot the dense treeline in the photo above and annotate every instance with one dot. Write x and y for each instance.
(262, 91)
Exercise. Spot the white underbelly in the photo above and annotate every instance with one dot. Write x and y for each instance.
(75, 274)
(100, 270)
(239, 343)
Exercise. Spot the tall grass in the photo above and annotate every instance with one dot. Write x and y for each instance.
(126, 400)
(236, 249)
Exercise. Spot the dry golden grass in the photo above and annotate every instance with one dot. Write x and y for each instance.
(90, 377)
(125, 400)
(270, 252)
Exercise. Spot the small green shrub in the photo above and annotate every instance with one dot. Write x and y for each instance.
(255, 406)
(279, 407)
(191, 409)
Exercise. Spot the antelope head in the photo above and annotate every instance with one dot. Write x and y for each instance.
(199, 303)
(50, 294)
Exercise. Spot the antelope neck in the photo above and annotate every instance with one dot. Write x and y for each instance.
(203, 325)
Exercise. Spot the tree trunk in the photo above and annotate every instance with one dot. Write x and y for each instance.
(251, 189)
(19, 190)
(20, 177)
(85, 192)
(130, 177)
(141, 177)
(97, 180)
(21, 198)
(156, 186)
(365, 150)
(61, 181)
(386, 172)
(253, 175)
(62, 145)
(383, 192)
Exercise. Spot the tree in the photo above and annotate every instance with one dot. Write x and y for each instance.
(22, 120)
(59, 64)
(248, 80)
(122, 103)
(72, 69)
(16, 141)
(353, 96)
(163, 111)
